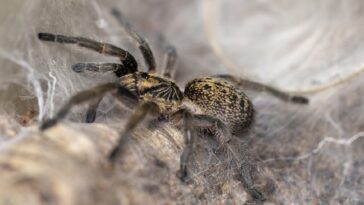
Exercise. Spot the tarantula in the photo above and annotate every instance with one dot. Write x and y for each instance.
(223, 105)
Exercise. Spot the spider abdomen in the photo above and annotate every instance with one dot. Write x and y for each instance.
(220, 99)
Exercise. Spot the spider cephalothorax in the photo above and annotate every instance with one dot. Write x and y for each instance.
(150, 87)
(219, 102)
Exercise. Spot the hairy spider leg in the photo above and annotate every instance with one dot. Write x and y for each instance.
(142, 44)
(224, 136)
(137, 117)
(129, 63)
(247, 180)
(170, 56)
(189, 139)
(118, 69)
(82, 97)
(190, 121)
(248, 84)
(91, 110)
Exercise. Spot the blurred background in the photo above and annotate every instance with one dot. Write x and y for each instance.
(309, 154)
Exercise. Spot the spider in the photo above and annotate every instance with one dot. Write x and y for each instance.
(217, 101)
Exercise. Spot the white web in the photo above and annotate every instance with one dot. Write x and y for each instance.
(299, 46)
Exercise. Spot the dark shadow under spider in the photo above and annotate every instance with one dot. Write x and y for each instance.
(219, 98)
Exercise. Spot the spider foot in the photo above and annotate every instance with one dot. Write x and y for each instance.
(114, 154)
(79, 67)
(46, 36)
(182, 174)
(91, 116)
(256, 195)
(300, 100)
(116, 13)
(48, 124)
